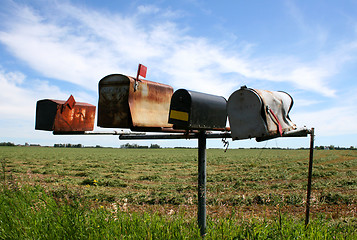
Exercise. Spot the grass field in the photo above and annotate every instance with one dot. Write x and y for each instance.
(251, 193)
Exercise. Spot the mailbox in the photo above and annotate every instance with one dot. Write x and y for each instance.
(195, 110)
(127, 103)
(259, 114)
(64, 116)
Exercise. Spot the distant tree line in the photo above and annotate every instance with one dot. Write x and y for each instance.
(67, 145)
(7, 144)
(128, 145)
(134, 145)
(332, 147)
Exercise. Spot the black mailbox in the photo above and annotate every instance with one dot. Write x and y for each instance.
(195, 110)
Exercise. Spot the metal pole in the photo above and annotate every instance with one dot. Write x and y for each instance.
(202, 182)
(309, 177)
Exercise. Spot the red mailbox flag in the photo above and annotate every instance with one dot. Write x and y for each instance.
(141, 71)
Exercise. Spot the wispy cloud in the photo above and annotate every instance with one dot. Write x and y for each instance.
(330, 118)
(17, 101)
(91, 44)
(82, 45)
(53, 51)
(313, 31)
(330, 122)
(18, 98)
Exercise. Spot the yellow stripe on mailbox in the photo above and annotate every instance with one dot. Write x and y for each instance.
(183, 116)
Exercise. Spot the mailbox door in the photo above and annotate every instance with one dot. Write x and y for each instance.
(180, 109)
(244, 110)
(113, 106)
(45, 114)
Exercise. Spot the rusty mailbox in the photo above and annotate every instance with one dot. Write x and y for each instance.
(195, 110)
(259, 114)
(127, 103)
(64, 116)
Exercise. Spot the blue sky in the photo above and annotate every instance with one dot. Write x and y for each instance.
(51, 49)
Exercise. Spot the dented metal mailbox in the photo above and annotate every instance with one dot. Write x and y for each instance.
(259, 114)
(64, 116)
(127, 103)
(195, 110)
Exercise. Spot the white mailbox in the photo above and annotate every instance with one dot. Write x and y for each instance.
(259, 114)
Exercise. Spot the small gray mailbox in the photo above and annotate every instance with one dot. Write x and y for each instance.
(195, 110)
(259, 114)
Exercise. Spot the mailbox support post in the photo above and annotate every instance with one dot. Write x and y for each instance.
(307, 212)
(202, 182)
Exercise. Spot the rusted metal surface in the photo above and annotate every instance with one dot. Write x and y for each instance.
(119, 106)
(150, 104)
(259, 114)
(64, 116)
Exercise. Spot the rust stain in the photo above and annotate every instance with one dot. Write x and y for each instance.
(147, 107)
(79, 118)
(150, 104)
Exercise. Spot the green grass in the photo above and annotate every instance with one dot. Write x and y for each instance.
(248, 191)
(32, 213)
(124, 172)
(248, 172)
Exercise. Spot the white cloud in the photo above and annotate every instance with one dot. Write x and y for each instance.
(148, 9)
(81, 46)
(338, 118)
(90, 45)
(312, 78)
(13, 99)
(330, 122)
(314, 31)
(56, 53)
(18, 100)
(304, 102)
